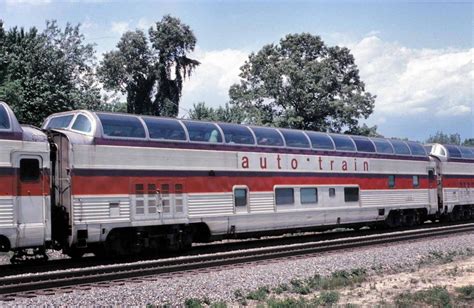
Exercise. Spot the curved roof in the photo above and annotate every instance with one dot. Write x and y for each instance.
(119, 126)
(451, 151)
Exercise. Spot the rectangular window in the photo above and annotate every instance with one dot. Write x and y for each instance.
(332, 192)
(351, 194)
(416, 181)
(29, 170)
(240, 197)
(284, 196)
(391, 181)
(309, 195)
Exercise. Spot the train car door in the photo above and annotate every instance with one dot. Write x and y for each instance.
(31, 203)
(172, 198)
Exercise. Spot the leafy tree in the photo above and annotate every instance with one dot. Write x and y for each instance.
(302, 83)
(441, 137)
(151, 69)
(229, 114)
(468, 142)
(47, 72)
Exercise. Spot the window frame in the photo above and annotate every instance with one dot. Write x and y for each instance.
(143, 118)
(354, 149)
(241, 208)
(362, 139)
(71, 124)
(8, 117)
(309, 133)
(104, 135)
(188, 135)
(346, 195)
(315, 188)
(333, 194)
(417, 184)
(238, 144)
(264, 145)
(284, 204)
(37, 179)
(73, 118)
(392, 184)
(282, 133)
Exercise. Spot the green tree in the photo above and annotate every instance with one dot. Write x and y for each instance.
(468, 142)
(229, 114)
(443, 138)
(302, 83)
(47, 72)
(151, 69)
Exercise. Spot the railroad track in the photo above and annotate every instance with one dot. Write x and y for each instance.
(50, 282)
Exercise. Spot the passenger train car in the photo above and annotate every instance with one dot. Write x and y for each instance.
(113, 183)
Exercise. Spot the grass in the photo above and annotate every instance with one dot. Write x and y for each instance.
(434, 296)
(259, 295)
(466, 292)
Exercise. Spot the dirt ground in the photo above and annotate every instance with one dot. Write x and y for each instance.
(382, 289)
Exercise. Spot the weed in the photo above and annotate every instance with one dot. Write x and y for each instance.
(327, 298)
(435, 296)
(281, 288)
(193, 303)
(218, 305)
(300, 287)
(259, 295)
(287, 303)
(466, 292)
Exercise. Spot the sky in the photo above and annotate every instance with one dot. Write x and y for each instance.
(416, 57)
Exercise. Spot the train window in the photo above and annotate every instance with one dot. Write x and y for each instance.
(332, 192)
(165, 129)
(400, 147)
(295, 139)
(308, 195)
(82, 124)
(416, 148)
(343, 143)
(29, 170)
(428, 148)
(60, 122)
(320, 141)
(363, 144)
(240, 197)
(284, 196)
(203, 132)
(351, 194)
(237, 134)
(267, 136)
(453, 151)
(117, 125)
(416, 181)
(466, 152)
(382, 146)
(391, 181)
(4, 121)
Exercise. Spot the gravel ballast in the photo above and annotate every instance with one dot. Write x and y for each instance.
(221, 285)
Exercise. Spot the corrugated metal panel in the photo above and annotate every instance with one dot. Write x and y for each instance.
(261, 202)
(98, 209)
(458, 195)
(6, 212)
(394, 197)
(210, 205)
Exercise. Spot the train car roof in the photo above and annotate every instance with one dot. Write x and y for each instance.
(450, 151)
(120, 126)
(11, 129)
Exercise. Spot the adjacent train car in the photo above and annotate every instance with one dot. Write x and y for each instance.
(455, 166)
(25, 218)
(127, 183)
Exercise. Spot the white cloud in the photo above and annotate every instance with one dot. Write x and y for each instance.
(144, 24)
(120, 27)
(27, 2)
(407, 81)
(219, 69)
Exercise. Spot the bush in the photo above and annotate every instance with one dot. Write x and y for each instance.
(435, 296)
(193, 303)
(327, 298)
(466, 292)
(259, 295)
(287, 303)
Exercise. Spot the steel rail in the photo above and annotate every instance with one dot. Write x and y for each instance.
(17, 285)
